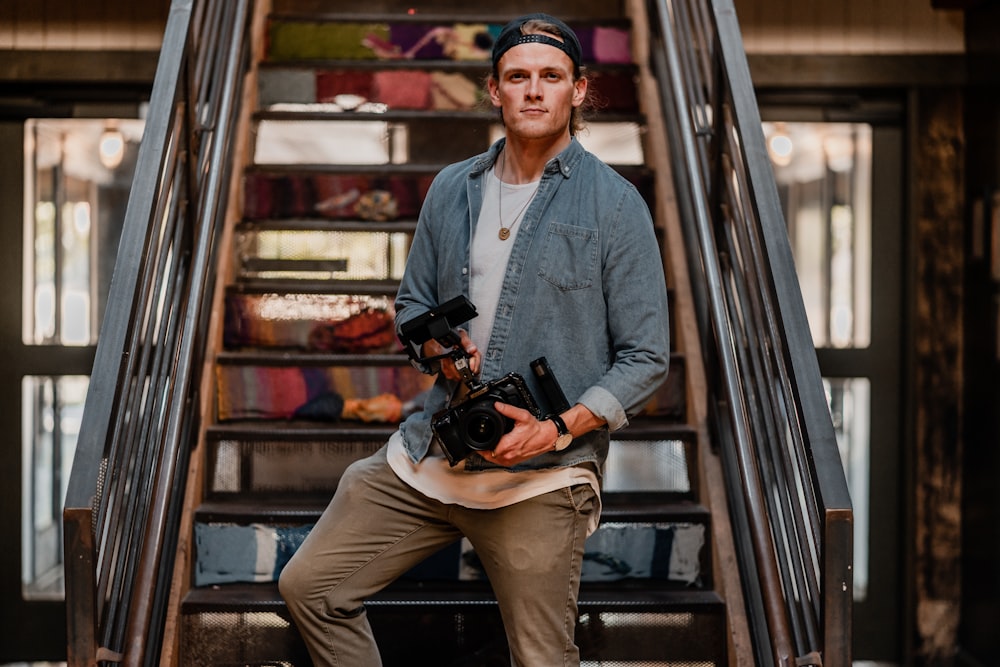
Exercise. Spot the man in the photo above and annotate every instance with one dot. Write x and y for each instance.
(558, 254)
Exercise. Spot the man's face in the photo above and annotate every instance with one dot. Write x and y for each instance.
(536, 91)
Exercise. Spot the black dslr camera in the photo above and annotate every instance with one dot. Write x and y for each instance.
(474, 424)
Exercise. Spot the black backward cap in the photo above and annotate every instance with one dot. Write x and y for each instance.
(511, 36)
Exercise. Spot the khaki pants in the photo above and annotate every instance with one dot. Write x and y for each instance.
(377, 528)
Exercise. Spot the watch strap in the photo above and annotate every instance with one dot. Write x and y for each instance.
(563, 437)
(560, 425)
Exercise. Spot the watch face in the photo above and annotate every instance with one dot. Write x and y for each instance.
(564, 437)
(562, 442)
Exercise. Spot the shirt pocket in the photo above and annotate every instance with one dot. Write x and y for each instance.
(569, 257)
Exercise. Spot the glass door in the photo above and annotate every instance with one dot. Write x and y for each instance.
(840, 184)
(66, 186)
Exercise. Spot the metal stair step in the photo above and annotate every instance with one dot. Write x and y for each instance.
(411, 170)
(282, 385)
(334, 191)
(409, 36)
(317, 224)
(649, 460)
(264, 597)
(319, 315)
(310, 285)
(309, 320)
(658, 537)
(305, 358)
(301, 109)
(580, 11)
(326, 251)
(577, 13)
(304, 430)
(307, 509)
(657, 550)
(453, 91)
(460, 626)
(674, 552)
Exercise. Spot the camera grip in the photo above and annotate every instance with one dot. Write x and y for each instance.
(550, 386)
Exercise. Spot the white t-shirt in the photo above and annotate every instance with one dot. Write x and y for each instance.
(488, 489)
(490, 255)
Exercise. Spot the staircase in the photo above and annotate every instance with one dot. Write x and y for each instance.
(356, 112)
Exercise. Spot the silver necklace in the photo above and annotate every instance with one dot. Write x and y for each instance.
(504, 233)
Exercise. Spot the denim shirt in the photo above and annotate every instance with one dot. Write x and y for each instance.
(584, 287)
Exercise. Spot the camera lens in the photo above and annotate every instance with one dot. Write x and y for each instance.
(482, 427)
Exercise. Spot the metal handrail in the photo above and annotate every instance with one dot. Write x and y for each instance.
(789, 501)
(125, 491)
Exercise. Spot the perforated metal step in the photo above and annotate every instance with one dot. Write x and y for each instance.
(247, 624)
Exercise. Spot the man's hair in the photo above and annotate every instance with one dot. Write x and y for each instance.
(537, 26)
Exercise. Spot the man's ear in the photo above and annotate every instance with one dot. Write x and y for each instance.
(579, 91)
(494, 89)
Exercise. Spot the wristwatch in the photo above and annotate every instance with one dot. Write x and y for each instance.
(564, 437)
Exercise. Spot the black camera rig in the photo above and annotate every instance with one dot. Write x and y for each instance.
(473, 423)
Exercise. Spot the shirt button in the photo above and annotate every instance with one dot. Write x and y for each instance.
(465, 270)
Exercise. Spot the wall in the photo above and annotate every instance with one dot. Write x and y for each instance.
(849, 27)
(981, 507)
(82, 24)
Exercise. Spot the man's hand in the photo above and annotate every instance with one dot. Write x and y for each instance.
(527, 439)
(432, 348)
(531, 437)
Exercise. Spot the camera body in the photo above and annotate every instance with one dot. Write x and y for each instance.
(473, 423)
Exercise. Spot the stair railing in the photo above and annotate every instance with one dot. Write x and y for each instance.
(125, 492)
(790, 506)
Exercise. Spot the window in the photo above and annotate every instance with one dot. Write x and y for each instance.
(824, 176)
(52, 411)
(77, 178)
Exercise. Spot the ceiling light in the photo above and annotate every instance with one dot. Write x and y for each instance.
(111, 147)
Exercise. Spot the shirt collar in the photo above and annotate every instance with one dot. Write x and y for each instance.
(564, 162)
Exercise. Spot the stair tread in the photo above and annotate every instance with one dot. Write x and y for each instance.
(296, 429)
(273, 286)
(416, 64)
(408, 168)
(296, 286)
(635, 595)
(615, 20)
(442, 64)
(404, 169)
(326, 224)
(309, 111)
(640, 429)
(291, 357)
(308, 508)
(270, 286)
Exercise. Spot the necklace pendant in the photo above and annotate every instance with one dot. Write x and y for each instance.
(504, 233)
